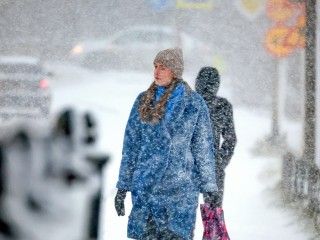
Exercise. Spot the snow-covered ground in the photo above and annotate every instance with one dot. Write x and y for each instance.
(252, 205)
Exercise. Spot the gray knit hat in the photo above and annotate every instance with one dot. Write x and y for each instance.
(172, 58)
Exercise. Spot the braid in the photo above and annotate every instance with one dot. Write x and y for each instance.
(146, 102)
(147, 112)
(161, 105)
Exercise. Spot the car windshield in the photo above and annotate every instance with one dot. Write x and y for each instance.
(136, 37)
(20, 68)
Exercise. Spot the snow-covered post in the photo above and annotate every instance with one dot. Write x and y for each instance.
(318, 88)
(310, 106)
(279, 94)
(310, 84)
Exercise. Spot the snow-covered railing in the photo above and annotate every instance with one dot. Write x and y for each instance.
(301, 185)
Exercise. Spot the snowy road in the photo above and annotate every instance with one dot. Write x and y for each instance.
(253, 209)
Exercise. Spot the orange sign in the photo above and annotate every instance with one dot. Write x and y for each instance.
(276, 41)
(301, 29)
(293, 38)
(280, 10)
(301, 21)
(296, 38)
(288, 35)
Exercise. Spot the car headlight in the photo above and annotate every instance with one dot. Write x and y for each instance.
(77, 49)
(109, 48)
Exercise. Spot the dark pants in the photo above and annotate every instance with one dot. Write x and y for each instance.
(152, 232)
(218, 198)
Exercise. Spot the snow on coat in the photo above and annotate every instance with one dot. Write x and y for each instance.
(166, 165)
(221, 115)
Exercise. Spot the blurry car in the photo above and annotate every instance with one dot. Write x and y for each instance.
(136, 47)
(24, 87)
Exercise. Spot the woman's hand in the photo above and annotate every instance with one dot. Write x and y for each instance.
(211, 198)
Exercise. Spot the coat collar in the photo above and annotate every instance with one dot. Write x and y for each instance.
(171, 120)
(175, 109)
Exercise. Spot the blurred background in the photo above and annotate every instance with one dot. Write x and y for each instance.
(70, 70)
(234, 32)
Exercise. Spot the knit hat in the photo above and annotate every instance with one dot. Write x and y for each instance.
(172, 58)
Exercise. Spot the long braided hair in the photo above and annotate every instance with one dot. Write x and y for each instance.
(150, 113)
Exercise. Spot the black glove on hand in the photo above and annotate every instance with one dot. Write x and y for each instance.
(119, 201)
(211, 198)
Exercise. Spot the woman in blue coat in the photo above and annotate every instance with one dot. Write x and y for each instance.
(167, 156)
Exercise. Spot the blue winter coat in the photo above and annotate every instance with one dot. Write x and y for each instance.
(166, 165)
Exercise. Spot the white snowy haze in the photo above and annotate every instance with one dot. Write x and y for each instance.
(99, 56)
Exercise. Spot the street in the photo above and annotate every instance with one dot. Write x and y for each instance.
(253, 206)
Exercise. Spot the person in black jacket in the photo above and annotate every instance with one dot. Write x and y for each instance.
(221, 116)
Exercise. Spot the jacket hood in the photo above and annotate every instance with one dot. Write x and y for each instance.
(207, 83)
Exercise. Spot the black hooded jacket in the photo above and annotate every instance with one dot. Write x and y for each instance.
(221, 115)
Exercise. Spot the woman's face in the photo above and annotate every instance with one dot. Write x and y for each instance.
(163, 76)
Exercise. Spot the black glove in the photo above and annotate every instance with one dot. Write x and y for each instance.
(211, 198)
(119, 201)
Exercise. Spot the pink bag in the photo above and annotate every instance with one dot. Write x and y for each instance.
(213, 223)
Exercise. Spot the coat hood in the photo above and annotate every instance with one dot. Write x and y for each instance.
(207, 83)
